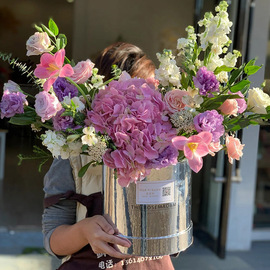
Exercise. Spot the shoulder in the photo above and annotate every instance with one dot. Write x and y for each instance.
(59, 178)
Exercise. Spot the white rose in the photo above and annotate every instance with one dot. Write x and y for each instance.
(257, 101)
(38, 43)
(12, 86)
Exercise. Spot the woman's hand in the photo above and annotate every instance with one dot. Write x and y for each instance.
(98, 231)
(101, 234)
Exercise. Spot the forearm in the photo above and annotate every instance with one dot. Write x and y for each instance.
(67, 239)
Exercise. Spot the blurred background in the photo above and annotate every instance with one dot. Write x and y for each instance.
(231, 212)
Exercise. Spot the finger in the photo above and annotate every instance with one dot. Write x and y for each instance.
(113, 239)
(105, 225)
(117, 249)
(122, 237)
(108, 218)
(107, 249)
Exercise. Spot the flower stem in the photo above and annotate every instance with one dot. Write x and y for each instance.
(81, 91)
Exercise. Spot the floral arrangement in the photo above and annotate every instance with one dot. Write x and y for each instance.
(193, 107)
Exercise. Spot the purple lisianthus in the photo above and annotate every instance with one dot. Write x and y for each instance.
(63, 88)
(12, 103)
(62, 122)
(210, 121)
(167, 157)
(206, 81)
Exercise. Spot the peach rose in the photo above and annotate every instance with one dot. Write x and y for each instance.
(229, 107)
(82, 71)
(38, 43)
(214, 147)
(174, 100)
(234, 148)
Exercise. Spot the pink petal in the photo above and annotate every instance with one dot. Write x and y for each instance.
(66, 71)
(206, 137)
(47, 85)
(195, 163)
(202, 150)
(179, 142)
(42, 72)
(187, 152)
(46, 58)
(59, 57)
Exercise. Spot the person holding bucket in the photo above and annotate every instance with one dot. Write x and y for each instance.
(73, 225)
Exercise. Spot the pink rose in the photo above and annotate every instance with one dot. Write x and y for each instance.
(82, 71)
(242, 105)
(174, 100)
(229, 107)
(38, 43)
(234, 148)
(46, 105)
(214, 147)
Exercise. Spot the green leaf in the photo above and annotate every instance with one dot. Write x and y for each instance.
(251, 62)
(223, 68)
(38, 28)
(84, 147)
(239, 86)
(62, 41)
(251, 69)
(72, 138)
(216, 102)
(235, 75)
(27, 118)
(268, 109)
(184, 80)
(47, 30)
(53, 27)
(67, 113)
(84, 169)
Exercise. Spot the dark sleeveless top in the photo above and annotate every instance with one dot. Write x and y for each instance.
(87, 259)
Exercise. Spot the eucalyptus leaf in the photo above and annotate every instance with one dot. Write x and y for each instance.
(53, 27)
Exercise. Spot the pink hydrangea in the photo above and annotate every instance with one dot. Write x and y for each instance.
(133, 114)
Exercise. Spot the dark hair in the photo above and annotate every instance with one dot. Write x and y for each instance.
(127, 57)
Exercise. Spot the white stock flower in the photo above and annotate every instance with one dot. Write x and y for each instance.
(80, 106)
(55, 143)
(90, 137)
(257, 101)
(168, 72)
(217, 29)
(12, 86)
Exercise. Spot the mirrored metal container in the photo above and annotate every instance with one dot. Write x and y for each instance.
(155, 213)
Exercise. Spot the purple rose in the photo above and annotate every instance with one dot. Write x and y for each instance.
(210, 121)
(62, 122)
(63, 88)
(12, 103)
(206, 81)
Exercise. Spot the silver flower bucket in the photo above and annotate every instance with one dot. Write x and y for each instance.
(154, 214)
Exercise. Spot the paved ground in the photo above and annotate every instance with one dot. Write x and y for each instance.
(23, 251)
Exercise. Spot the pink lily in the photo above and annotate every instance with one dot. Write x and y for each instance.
(51, 67)
(194, 147)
